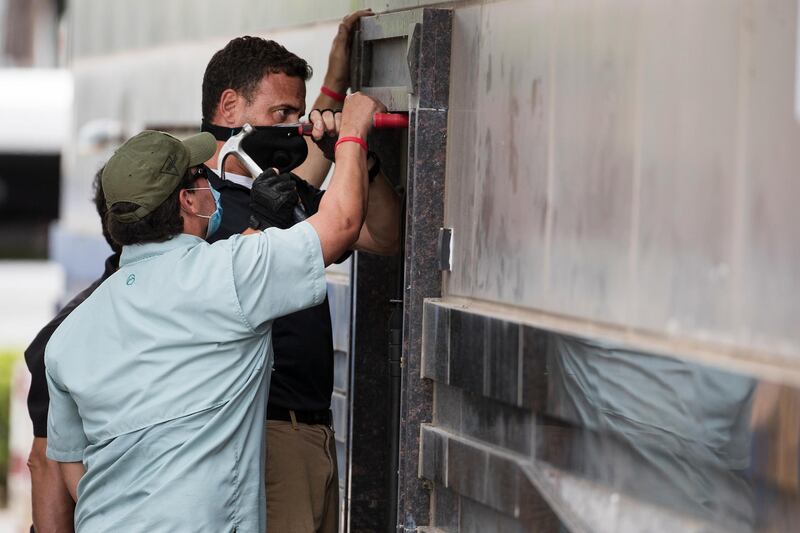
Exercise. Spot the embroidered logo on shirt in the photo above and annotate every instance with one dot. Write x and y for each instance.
(131, 280)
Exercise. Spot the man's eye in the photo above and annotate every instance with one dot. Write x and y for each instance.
(281, 114)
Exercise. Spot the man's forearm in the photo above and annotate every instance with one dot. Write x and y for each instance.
(315, 168)
(346, 197)
(342, 209)
(53, 507)
(72, 474)
(381, 231)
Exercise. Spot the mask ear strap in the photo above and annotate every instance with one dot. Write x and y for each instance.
(220, 133)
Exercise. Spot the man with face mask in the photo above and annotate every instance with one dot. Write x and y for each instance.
(256, 81)
(158, 381)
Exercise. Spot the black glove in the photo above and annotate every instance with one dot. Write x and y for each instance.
(272, 200)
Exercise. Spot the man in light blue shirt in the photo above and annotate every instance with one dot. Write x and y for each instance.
(158, 381)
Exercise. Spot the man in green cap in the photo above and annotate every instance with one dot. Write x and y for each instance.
(158, 380)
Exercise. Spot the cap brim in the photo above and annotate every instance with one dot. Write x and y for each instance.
(200, 147)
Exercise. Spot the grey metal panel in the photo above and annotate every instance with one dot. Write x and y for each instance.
(389, 68)
(391, 26)
(395, 98)
(385, 60)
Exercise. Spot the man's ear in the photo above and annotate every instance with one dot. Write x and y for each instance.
(229, 108)
(187, 201)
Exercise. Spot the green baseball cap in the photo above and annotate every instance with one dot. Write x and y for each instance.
(148, 167)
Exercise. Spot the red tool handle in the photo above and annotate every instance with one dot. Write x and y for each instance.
(381, 121)
(385, 121)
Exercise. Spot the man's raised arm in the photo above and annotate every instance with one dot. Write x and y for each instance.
(343, 207)
(337, 81)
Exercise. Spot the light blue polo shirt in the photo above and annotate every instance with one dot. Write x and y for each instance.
(158, 381)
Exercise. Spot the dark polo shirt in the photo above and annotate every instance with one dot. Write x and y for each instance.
(302, 375)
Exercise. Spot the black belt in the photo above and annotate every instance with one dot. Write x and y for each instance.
(304, 417)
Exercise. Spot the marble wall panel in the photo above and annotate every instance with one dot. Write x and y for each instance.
(593, 78)
(467, 352)
(370, 393)
(482, 418)
(629, 163)
(614, 424)
(339, 299)
(466, 469)
(436, 339)
(447, 406)
(502, 377)
(497, 167)
(445, 509)
(339, 408)
(477, 518)
(433, 456)
(476, 488)
(687, 116)
(770, 249)
(422, 279)
(340, 371)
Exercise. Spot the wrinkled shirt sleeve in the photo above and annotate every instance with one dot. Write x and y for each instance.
(278, 272)
(66, 440)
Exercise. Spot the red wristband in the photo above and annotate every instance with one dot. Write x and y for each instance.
(339, 97)
(357, 140)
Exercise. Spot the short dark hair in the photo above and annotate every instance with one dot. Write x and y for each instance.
(99, 200)
(161, 224)
(241, 66)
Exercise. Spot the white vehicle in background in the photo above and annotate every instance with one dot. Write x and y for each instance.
(35, 113)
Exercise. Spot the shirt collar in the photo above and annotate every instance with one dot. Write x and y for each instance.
(244, 181)
(137, 252)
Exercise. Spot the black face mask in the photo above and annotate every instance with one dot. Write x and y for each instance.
(269, 146)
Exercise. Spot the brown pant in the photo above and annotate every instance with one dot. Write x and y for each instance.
(302, 479)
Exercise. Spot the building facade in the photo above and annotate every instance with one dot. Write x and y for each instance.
(593, 324)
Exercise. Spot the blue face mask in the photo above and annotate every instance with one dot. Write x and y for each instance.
(215, 218)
